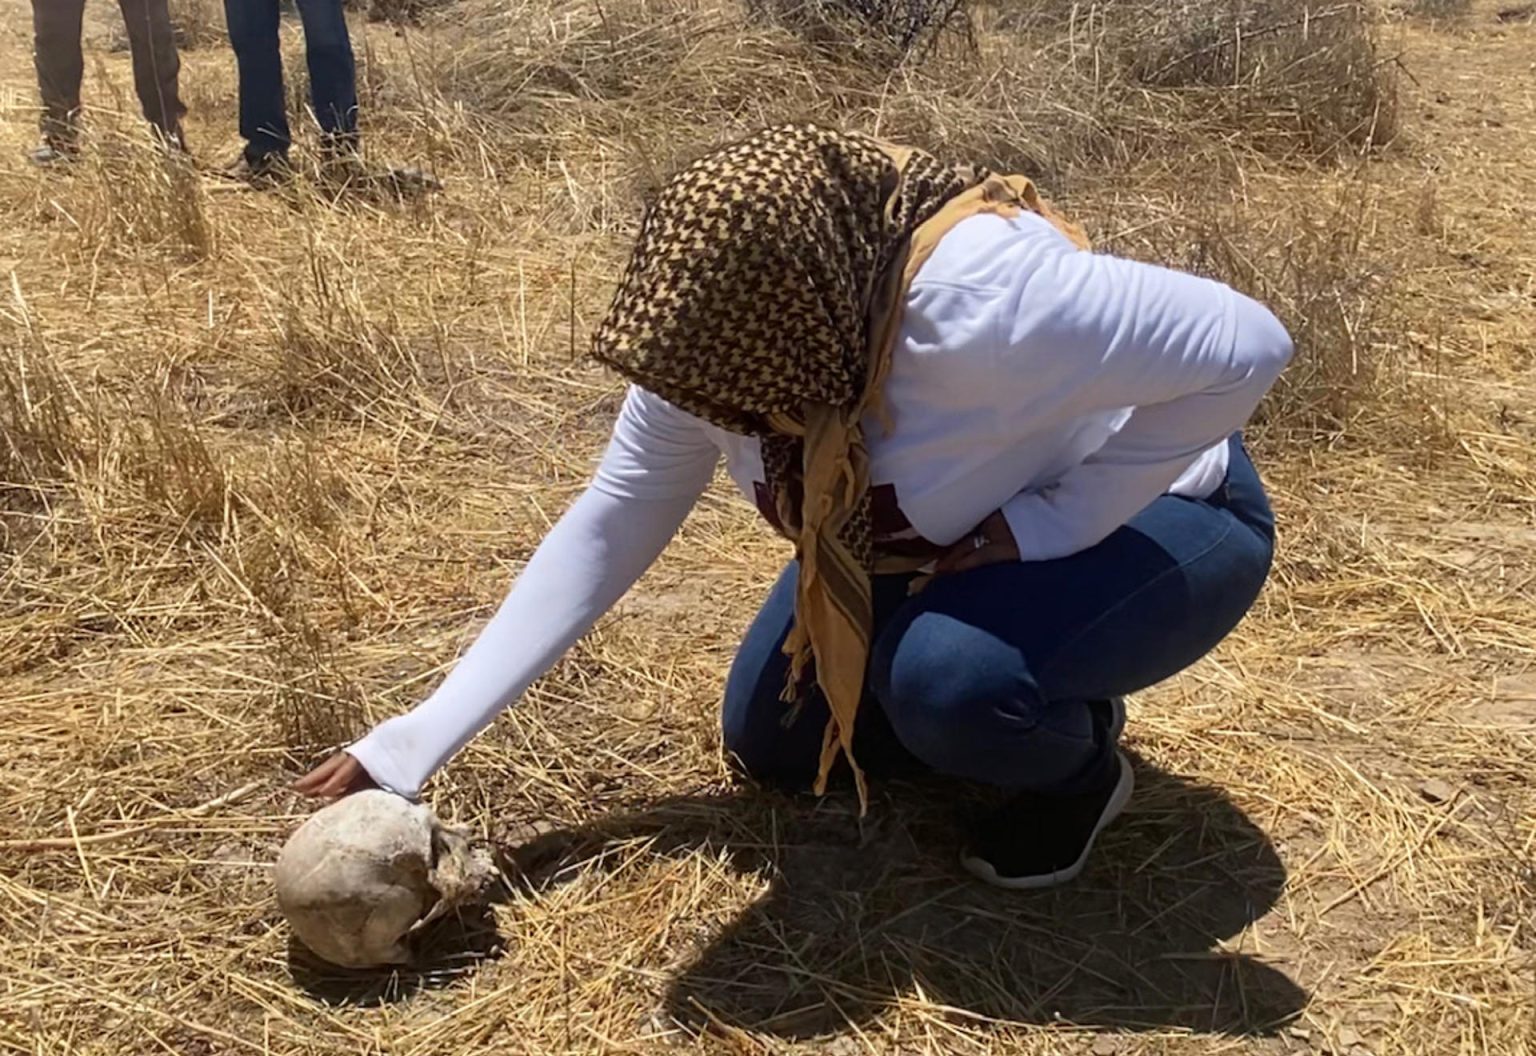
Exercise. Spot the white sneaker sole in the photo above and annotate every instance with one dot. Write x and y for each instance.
(983, 870)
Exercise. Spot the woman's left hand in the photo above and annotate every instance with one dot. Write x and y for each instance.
(990, 543)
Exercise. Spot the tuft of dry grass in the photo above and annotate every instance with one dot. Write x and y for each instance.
(199, 23)
(1313, 261)
(266, 462)
(39, 409)
(883, 33)
(1312, 75)
(133, 196)
(1450, 11)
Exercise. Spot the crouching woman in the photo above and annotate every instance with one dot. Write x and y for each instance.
(1011, 470)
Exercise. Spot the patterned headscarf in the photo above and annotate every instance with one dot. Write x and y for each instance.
(763, 295)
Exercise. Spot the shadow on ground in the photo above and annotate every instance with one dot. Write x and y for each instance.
(855, 922)
(860, 917)
(447, 951)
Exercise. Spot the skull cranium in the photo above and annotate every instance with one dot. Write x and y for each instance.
(359, 876)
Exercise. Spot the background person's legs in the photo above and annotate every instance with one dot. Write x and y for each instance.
(253, 35)
(986, 674)
(60, 66)
(332, 73)
(156, 66)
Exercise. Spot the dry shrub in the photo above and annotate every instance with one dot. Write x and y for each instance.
(1434, 10)
(1309, 77)
(313, 707)
(339, 364)
(334, 354)
(1288, 79)
(179, 473)
(283, 547)
(884, 32)
(252, 532)
(1052, 89)
(1312, 262)
(40, 415)
(132, 195)
(519, 54)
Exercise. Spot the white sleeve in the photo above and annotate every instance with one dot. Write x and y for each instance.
(1190, 356)
(657, 464)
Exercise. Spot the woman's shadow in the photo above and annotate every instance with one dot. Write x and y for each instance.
(860, 917)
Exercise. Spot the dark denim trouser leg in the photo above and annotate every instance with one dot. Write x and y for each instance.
(332, 73)
(986, 675)
(253, 34)
(759, 730)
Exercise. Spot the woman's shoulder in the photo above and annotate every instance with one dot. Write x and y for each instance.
(645, 414)
(986, 252)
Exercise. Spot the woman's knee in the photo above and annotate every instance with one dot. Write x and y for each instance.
(748, 697)
(758, 744)
(966, 704)
(947, 688)
(752, 716)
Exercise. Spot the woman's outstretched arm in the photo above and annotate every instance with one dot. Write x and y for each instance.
(656, 466)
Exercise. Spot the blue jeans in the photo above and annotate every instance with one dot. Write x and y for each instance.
(988, 675)
(253, 26)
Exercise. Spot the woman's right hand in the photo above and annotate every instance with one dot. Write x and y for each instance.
(340, 775)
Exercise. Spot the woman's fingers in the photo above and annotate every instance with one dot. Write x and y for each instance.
(947, 561)
(311, 782)
(958, 557)
(991, 554)
(338, 776)
(997, 546)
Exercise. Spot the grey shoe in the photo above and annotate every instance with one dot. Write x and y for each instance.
(49, 153)
(409, 181)
(346, 172)
(262, 171)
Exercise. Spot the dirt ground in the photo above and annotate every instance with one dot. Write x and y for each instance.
(274, 456)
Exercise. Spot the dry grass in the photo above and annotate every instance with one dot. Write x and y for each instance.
(199, 23)
(266, 460)
(1439, 10)
(1053, 88)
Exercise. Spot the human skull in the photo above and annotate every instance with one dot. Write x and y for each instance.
(359, 876)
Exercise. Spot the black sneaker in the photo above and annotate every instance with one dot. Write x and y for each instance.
(1111, 713)
(1037, 840)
